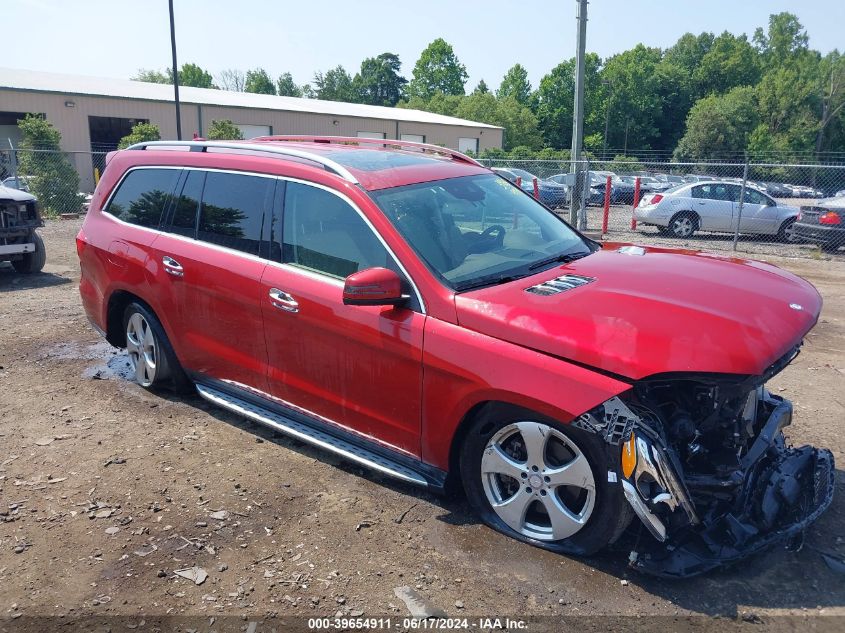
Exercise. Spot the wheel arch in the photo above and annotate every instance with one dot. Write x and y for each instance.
(116, 306)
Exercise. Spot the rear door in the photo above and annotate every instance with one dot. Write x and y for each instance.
(208, 266)
(356, 366)
(713, 205)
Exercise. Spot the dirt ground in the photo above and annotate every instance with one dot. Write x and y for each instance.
(106, 490)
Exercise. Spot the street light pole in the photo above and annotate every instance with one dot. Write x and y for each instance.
(175, 73)
(578, 110)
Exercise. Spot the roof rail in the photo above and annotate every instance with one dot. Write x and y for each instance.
(384, 142)
(251, 148)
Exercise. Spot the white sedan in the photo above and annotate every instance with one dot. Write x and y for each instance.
(714, 206)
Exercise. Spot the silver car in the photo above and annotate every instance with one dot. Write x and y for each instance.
(714, 206)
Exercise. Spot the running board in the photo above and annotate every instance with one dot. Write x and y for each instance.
(313, 436)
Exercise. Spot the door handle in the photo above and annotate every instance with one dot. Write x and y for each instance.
(283, 300)
(172, 267)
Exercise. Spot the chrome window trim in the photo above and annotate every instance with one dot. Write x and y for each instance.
(314, 274)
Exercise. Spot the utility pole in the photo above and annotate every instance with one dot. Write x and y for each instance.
(578, 110)
(175, 73)
(607, 84)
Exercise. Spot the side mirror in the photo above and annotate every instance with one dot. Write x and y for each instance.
(373, 287)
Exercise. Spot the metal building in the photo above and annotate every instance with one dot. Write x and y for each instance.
(94, 113)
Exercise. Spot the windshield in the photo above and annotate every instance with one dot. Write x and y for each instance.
(479, 230)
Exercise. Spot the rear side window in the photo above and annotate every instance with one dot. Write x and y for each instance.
(143, 195)
(184, 218)
(233, 209)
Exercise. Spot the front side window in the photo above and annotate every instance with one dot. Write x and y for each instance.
(323, 233)
(143, 195)
(233, 209)
(479, 230)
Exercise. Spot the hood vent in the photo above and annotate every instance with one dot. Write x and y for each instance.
(559, 284)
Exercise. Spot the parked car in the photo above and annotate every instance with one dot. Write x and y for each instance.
(648, 184)
(594, 196)
(777, 189)
(552, 194)
(823, 223)
(839, 194)
(714, 206)
(670, 178)
(620, 191)
(21, 183)
(415, 313)
(19, 242)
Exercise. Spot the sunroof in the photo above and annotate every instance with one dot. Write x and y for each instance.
(375, 160)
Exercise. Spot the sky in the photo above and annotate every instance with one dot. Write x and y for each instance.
(114, 38)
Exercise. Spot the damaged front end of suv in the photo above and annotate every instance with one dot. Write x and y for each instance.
(703, 462)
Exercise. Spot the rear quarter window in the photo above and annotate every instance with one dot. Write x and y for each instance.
(142, 196)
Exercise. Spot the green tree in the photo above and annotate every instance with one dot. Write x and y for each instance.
(258, 81)
(224, 130)
(193, 76)
(141, 132)
(152, 76)
(285, 86)
(52, 177)
(515, 84)
(555, 98)
(785, 39)
(379, 82)
(731, 61)
(688, 51)
(335, 85)
(438, 70)
(481, 88)
(519, 122)
(720, 125)
(831, 80)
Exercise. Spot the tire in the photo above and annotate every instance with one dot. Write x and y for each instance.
(151, 356)
(33, 262)
(683, 225)
(786, 232)
(597, 511)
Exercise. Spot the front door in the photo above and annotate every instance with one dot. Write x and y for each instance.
(759, 213)
(355, 366)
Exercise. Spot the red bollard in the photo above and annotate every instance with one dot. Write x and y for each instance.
(515, 216)
(636, 202)
(536, 189)
(606, 207)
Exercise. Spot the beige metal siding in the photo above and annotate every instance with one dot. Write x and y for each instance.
(72, 122)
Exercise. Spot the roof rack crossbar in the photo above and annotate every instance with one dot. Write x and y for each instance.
(203, 146)
(384, 142)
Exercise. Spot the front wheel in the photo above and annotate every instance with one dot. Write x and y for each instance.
(32, 262)
(542, 483)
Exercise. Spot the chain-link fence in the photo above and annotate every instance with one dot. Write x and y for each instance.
(765, 208)
(61, 181)
(774, 208)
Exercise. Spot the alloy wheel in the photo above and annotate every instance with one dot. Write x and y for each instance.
(683, 226)
(142, 348)
(538, 481)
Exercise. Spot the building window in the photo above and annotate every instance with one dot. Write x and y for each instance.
(466, 145)
(412, 138)
(370, 134)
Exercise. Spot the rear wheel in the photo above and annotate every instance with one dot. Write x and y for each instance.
(32, 262)
(154, 364)
(683, 225)
(542, 483)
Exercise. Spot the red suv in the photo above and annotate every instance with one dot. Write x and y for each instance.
(405, 307)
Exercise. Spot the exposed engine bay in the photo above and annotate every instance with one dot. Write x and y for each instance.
(18, 219)
(703, 462)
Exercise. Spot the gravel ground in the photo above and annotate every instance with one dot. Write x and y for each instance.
(107, 490)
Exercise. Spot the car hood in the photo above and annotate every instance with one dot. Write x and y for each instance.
(650, 311)
(7, 193)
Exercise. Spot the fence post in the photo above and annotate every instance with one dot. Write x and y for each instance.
(13, 159)
(585, 191)
(515, 216)
(536, 188)
(606, 216)
(741, 201)
(636, 202)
